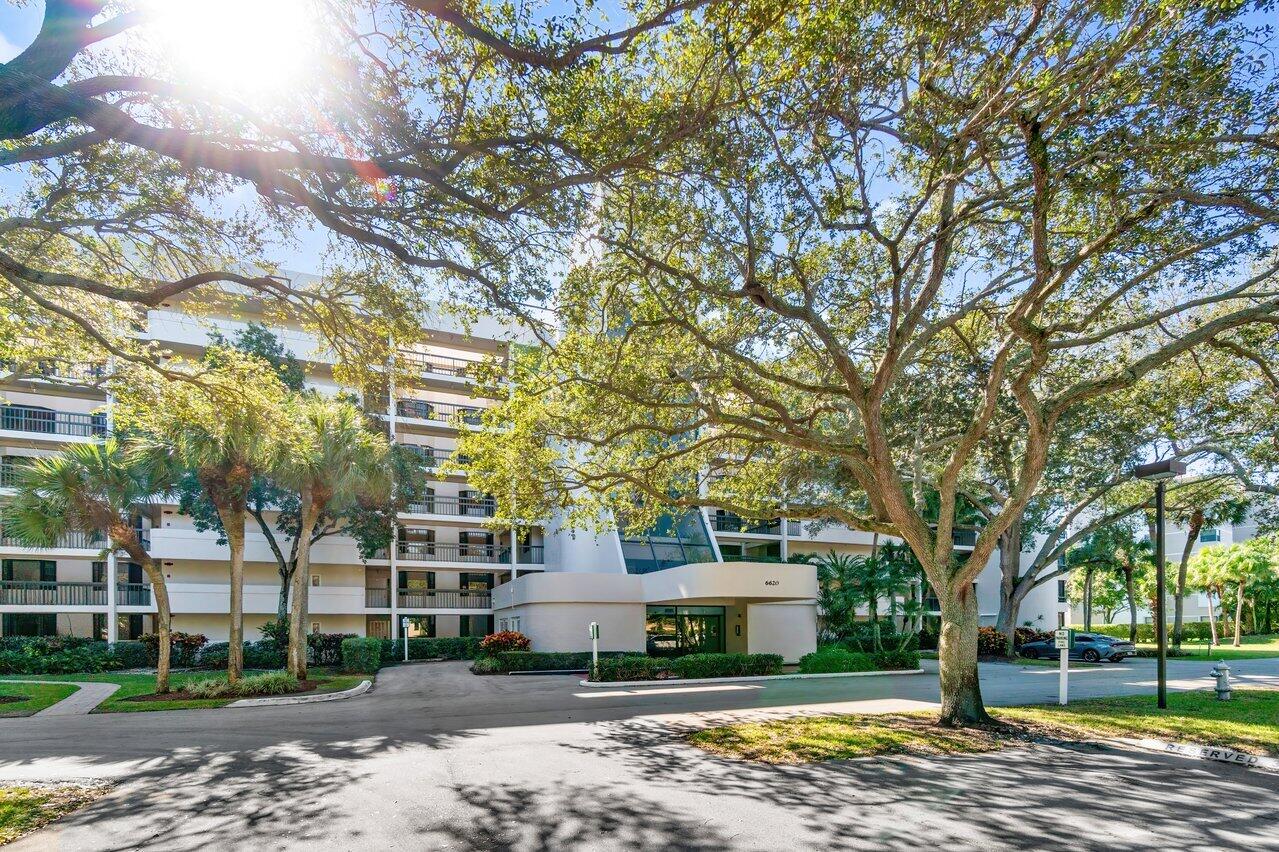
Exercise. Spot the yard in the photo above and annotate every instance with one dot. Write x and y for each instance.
(132, 686)
(1247, 723)
(23, 699)
(1254, 647)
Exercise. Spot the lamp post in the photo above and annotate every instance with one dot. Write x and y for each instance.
(1159, 473)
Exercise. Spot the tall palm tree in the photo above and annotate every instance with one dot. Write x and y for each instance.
(91, 488)
(225, 431)
(331, 461)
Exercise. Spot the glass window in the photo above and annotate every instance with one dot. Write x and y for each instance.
(677, 630)
(673, 541)
(1209, 535)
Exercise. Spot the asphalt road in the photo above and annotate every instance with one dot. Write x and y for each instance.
(435, 757)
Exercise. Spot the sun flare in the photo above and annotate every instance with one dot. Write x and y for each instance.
(249, 48)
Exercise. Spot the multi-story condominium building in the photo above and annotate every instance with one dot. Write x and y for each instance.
(705, 581)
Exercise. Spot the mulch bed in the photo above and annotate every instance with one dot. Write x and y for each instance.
(183, 695)
(13, 699)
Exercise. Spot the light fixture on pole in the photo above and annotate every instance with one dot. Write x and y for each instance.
(1159, 473)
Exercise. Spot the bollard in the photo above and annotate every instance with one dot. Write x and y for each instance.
(1221, 672)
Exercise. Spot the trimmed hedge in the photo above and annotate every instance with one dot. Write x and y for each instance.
(548, 661)
(636, 667)
(324, 649)
(133, 654)
(184, 648)
(834, 658)
(432, 648)
(55, 655)
(362, 654)
(1197, 631)
(889, 661)
(264, 654)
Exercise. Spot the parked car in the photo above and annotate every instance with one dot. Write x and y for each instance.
(1089, 647)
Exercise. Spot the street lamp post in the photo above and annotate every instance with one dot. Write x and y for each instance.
(1159, 473)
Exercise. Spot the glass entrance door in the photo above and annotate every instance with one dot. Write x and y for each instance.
(702, 633)
(677, 630)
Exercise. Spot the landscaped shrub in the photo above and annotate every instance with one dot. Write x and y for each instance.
(991, 642)
(55, 655)
(834, 658)
(432, 648)
(277, 631)
(726, 665)
(1022, 635)
(888, 661)
(267, 683)
(864, 641)
(325, 649)
(927, 640)
(549, 661)
(263, 654)
(504, 640)
(486, 665)
(1194, 631)
(184, 648)
(131, 654)
(632, 667)
(362, 654)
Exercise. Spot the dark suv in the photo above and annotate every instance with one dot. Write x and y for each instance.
(1090, 647)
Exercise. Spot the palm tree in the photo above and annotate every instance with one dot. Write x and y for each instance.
(1208, 507)
(331, 462)
(91, 488)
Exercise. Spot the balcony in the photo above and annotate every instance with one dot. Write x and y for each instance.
(432, 458)
(480, 554)
(33, 593)
(730, 523)
(46, 421)
(9, 473)
(464, 507)
(377, 598)
(66, 541)
(443, 365)
(439, 412)
(444, 599)
(63, 372)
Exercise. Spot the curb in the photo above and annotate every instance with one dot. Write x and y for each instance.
(613, 684)
(1195, 751)
(283, 700)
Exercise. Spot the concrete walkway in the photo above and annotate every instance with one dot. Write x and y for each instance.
(79, 703)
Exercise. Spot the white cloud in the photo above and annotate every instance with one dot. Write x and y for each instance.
(8, 49)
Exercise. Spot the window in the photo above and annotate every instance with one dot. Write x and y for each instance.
(1209, 535)
(1061, 591)
(29, 624)
(315, 627)
(29, 571)
(676, 630)
(503, 624)
(315, 580)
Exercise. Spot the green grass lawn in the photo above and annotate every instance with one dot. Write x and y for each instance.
(1248, 723)
(36, 697)
(144, 684)
(1254, 647)
(26, 808)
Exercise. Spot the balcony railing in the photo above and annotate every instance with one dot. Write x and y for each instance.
(60, 371)
(445, 365)
(377, 598)
(26, 418)
(440, 412)
(9, 471)
(484, 554)
(66, 541)
(444, 599)
(430, 457)
(732, 523)
(49, 593)
(467, 507)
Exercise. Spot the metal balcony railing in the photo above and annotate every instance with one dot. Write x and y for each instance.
(733, 523)
(431, 457)
(66, 541)
(378, 598)
(445, 365)
(61, 371)
(440, 412)
(483, 554)
(444, 599)
(60, 593)
(466, 507)
(9, 471)
(27, 418)
(133, 594)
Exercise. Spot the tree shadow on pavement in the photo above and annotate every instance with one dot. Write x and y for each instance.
(1076, 796)
(573, 817)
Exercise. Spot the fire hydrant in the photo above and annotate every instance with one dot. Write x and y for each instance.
(1221, 672)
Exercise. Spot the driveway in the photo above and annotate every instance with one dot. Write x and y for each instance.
(437, 758)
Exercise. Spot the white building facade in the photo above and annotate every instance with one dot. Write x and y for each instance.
(708, 581)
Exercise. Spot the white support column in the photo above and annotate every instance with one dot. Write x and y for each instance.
(785, 551)
(113, 616)
(515, 544)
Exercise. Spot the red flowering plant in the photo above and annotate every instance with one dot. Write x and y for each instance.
(504, 640)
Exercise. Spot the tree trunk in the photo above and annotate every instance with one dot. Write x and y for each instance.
(961, 703)
(233, 526)
(1088, 575)
(1192, 536)
(1130, 587)
(1239, 616)
(307, 516)
(1212, 616)
(1010, 590)
(125, 538)
(286, 581)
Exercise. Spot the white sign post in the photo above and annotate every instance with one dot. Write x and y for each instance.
(404, 624)
(1061, 640)
(594, 629)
